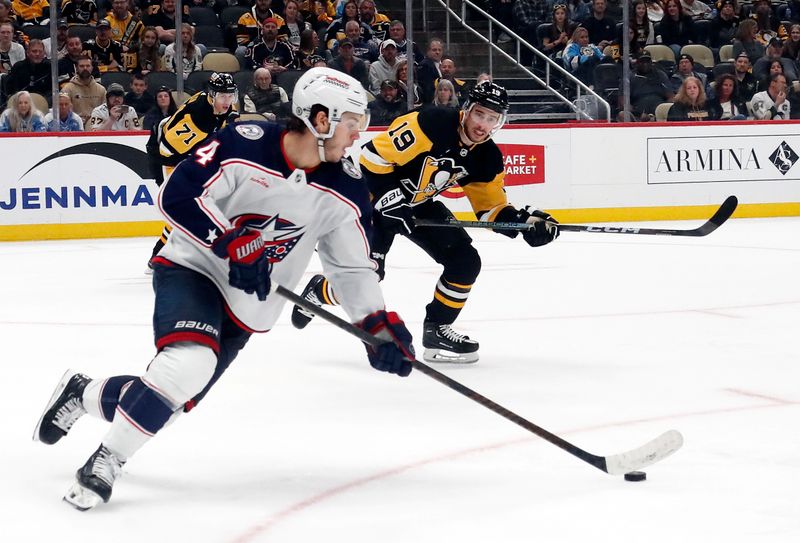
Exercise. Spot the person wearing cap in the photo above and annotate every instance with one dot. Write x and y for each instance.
(269, 52)
(387, 105)
(772, 103)
(649, 87)
(68, 120)
(724, 25)
(114, 115)
(363, 49)
(346, 62)
(248, 27)
(774, 53)
(79, 12)
(83, 89)
(61, 40)
(266, 98)
(696, 9)
(127, 30)
(746, 82)
(383, 68)
(105, 52)
(686, 69)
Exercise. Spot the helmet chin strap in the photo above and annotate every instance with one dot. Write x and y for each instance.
(321, 148)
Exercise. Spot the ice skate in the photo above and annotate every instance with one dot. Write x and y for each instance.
(443, 344)
(63, 409)
(312, 293)
(95, 480)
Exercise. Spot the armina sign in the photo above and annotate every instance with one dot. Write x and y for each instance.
(722, 158)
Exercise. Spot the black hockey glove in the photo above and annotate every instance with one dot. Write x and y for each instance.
(393, 213)
(396, 354)
(545, 227)
(249, 266)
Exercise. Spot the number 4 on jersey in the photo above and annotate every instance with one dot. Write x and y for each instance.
(205, 154)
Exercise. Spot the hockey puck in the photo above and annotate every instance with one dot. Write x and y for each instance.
(636, 476)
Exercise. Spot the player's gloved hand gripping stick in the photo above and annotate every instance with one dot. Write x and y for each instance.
(249, 267)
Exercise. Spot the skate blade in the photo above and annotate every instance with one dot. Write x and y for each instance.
(449, 357)
(62, 384)
(81, 498)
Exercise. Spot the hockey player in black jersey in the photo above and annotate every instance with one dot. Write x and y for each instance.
(250, 206)
(422, 154)
(175, 137)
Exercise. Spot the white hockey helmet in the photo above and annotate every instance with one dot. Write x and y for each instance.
(336, 91)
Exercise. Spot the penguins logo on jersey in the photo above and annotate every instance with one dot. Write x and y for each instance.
(436, 176)
(249, 131)
(280, 235)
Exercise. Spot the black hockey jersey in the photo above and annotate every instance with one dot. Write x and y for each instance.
(188, 127)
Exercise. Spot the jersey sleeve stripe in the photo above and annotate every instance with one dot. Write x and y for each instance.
(374, 162)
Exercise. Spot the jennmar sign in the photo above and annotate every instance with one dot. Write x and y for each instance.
(722, 158)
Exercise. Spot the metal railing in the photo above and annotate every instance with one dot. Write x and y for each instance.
(549, 64)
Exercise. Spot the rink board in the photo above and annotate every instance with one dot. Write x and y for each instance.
(99, 185)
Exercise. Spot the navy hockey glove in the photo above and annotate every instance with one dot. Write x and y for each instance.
(396, 354)
(393, 213)
(545, 227)
(249, 267)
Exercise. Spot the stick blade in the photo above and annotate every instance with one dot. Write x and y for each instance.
(649, 453)
(723, 214)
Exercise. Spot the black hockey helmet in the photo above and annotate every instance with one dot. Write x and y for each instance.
(221, 82)
(489, 95)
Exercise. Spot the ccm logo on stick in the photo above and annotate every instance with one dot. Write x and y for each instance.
(611, 229)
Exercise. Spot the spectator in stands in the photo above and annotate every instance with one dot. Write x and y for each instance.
(685, 70)
(31, 12)
(138, 97)
(127, 30)
(649, 86)
(319, 13)
(105, 52)
(114, 115)
(61, 40)
(192, 60)
(643, 30)
(378, 22)
(676, 29)
(79, 12)
(528, 15)
(448, 69)
(164, 20)
(581, 57)
(555, 41)
(502, 10)
(266, 98)
(84, 91)
(690, 102)
(774, 53)
(746, 41)
(791, 48)
(397, 31)
(248, 27)
(775, 67)
(10, 51)
(67, 65)
(148, 58)
(387, 105)
(445, 94)
(309, 47)
(318, 61)
(347, 62)
(401, 76)
(31, 74)
(725, 106)
(21, 115)
(384, 67)
(772, 103)
(602, 29)
(293, 26)
(746, 82)
(696, 9)
(428, 71)
(724, 25)
(165, 106)
(6, 14)
(269, 52)
(68, 120)
(577, 10)
(768, 25)
(365, 50)
(336, 30)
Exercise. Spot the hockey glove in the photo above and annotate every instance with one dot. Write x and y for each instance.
(249, 267)
(393, 213)
(545, 227)
(396, 354)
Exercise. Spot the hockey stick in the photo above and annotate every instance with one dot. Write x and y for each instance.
(617, 464)
(722, 214)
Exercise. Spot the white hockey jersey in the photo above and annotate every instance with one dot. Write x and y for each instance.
(242, 178)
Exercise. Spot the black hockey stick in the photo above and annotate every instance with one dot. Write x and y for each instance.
(722, 214)
(617, 464)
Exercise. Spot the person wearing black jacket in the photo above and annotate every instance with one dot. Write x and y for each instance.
(726, 105)
(675, 29)
(724, 25)
(31, 74)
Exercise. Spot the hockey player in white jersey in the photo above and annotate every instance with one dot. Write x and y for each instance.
(248, 207)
